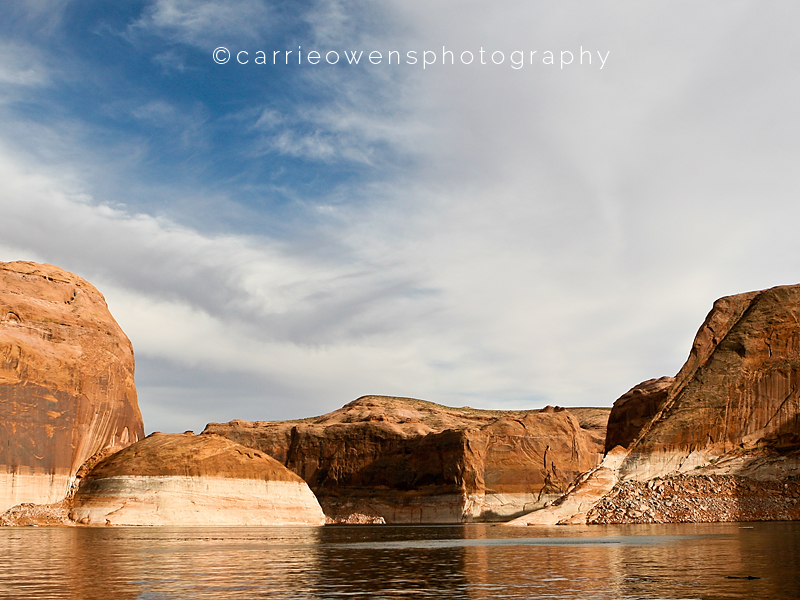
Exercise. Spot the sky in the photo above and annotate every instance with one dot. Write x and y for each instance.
(278, 238)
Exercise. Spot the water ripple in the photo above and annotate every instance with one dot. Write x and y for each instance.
(468, 562)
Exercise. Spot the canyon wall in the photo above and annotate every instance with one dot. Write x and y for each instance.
(66, 381)
(720, 442)
(410, 461)
(739, 390)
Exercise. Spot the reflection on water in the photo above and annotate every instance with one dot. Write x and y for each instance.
(708, 561)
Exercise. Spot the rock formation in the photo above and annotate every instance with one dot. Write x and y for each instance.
(722, 441)
(66, 381)
(635, 409)
(411, 461)
(580, 498)
(739, 389)
(184, 479)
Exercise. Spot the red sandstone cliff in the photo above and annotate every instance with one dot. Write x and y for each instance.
(739, 388)
(635, 409)
(408, 460)
(66, 381)
(722, 441)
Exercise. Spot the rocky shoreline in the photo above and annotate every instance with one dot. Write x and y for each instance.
(698, 499)
(38, 515)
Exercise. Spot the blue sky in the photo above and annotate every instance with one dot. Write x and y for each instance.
(277, 240)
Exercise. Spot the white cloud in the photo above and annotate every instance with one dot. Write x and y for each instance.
(44, 17)
(558, 237)
(320, 328)
(268, 119)
(22, 65)
(206, 24)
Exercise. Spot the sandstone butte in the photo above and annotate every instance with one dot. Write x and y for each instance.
(66, 382)
(411, 461)
(727, 426)
(193, 480)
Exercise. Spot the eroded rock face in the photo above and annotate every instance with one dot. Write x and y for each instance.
(410, 461)
(740, 388)
(635, 409)
(720, 442)
(585, 493)
(184, 479)
(66, 381)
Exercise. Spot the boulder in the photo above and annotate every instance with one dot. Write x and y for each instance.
(66, 382)
(193, 480)
(411, 461)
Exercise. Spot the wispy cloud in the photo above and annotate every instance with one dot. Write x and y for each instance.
(341, 135)
(472, 236)
(22, 65)
(203, 24)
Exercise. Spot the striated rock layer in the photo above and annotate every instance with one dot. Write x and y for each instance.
(183, 479)
(411, 461)
(739, 388)
(66, 382)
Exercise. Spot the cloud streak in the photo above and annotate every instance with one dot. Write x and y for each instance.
(200, 23)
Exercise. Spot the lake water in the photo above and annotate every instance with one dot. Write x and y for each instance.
(706, 561)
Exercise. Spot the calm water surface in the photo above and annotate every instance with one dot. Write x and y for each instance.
(477, 562)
